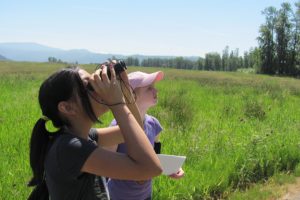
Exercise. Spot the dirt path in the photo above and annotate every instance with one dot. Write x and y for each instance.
(293, 191)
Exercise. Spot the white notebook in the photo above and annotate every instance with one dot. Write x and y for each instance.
(170, 163)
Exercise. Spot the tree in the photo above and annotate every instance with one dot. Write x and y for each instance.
(225, 58)
(295, 55)
(254, 58)
(283, 30)
(246, 61)
(266, 41)
(200, 64)
(279, 40)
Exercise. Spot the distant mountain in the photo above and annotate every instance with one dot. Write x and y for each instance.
(2, 58)
(40, 53)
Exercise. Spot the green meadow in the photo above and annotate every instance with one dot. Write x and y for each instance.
(235, 129)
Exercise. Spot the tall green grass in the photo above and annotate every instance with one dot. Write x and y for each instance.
(235, 129)
(233, 132)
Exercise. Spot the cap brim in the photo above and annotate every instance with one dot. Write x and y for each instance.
(152, 78)
(159, 75)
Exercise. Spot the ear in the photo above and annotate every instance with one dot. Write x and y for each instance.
(66, 108)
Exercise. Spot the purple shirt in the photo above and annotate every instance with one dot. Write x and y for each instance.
(132, 190)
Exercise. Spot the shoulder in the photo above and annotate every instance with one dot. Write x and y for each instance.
(152, 121)
(69, 142)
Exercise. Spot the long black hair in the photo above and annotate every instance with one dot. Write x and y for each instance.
(60, 86)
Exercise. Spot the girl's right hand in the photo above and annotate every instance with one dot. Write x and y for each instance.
(108, 90)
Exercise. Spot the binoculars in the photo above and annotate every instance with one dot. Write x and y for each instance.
(119, 66)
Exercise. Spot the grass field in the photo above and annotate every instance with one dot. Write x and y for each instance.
(235, 129)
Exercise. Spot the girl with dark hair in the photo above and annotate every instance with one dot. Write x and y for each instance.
(69, 164)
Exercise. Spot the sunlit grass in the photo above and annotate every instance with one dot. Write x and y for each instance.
(273, 188)
(235, 129)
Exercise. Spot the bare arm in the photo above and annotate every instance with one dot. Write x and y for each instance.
(109, 136)
(139, 163)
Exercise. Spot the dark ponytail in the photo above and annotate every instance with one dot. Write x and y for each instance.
(39, 142)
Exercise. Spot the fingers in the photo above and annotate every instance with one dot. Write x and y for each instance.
(97, 79)
(113, 76)
(104, 74)
(109, 91)
(177, 175)
(100, 77)
(92, 79)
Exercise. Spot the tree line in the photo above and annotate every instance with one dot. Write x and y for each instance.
(229, 60)
(54, 60)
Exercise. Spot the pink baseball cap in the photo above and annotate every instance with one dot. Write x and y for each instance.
(141, 79)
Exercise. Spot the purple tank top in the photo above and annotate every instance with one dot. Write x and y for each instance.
(132, 190)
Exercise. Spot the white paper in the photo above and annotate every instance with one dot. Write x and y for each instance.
(170, 163)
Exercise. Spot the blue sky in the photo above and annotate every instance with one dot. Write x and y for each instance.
(149, 27)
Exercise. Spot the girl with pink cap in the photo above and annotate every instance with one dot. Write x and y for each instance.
(143, 85)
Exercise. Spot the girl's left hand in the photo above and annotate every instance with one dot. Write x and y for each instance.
(177, 175)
